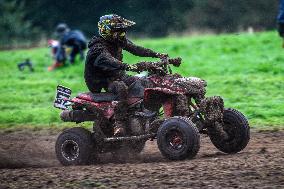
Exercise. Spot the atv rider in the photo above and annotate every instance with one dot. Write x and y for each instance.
(71, 38)
(104, 68)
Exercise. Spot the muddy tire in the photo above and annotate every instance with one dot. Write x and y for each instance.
(178, 139)
(237, 127)
(74, 147)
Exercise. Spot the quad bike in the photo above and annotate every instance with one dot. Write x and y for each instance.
(163, 106)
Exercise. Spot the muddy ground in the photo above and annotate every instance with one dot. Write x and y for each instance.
(27, 160)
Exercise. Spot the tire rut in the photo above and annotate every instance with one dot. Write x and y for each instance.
(28, 160)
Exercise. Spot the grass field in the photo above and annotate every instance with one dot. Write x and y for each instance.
(247, 70)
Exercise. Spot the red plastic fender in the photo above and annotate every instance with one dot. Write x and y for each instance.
(106, 107)
(168, 107)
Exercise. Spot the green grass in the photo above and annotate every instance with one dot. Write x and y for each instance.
(246, 70)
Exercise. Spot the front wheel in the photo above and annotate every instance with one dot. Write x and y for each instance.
(237, 128)
(178, 139)
(74, 146)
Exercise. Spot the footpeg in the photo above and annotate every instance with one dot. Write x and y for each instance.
(147, 114)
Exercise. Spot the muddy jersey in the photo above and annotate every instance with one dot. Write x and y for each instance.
(104, 61)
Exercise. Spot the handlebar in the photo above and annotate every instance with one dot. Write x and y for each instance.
(161, 67)
(174, 61)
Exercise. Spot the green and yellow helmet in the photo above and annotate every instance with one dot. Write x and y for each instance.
(109, 24)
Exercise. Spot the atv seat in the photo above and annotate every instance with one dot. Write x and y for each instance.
(97, 97)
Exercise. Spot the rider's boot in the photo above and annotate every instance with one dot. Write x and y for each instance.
(120, 116)
(119, 129)
(120, 111)
(55, 65)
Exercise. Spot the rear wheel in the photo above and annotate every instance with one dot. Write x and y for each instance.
(237, 128)
(74, 146)
(178, 139)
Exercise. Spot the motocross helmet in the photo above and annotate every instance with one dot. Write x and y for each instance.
(112, 27)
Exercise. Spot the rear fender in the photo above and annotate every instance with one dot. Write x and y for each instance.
(107, 108)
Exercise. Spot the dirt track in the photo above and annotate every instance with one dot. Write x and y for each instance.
(260, 165)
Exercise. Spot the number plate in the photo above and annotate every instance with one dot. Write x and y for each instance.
(62, 97)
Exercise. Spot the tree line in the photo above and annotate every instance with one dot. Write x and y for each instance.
(32, 19)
